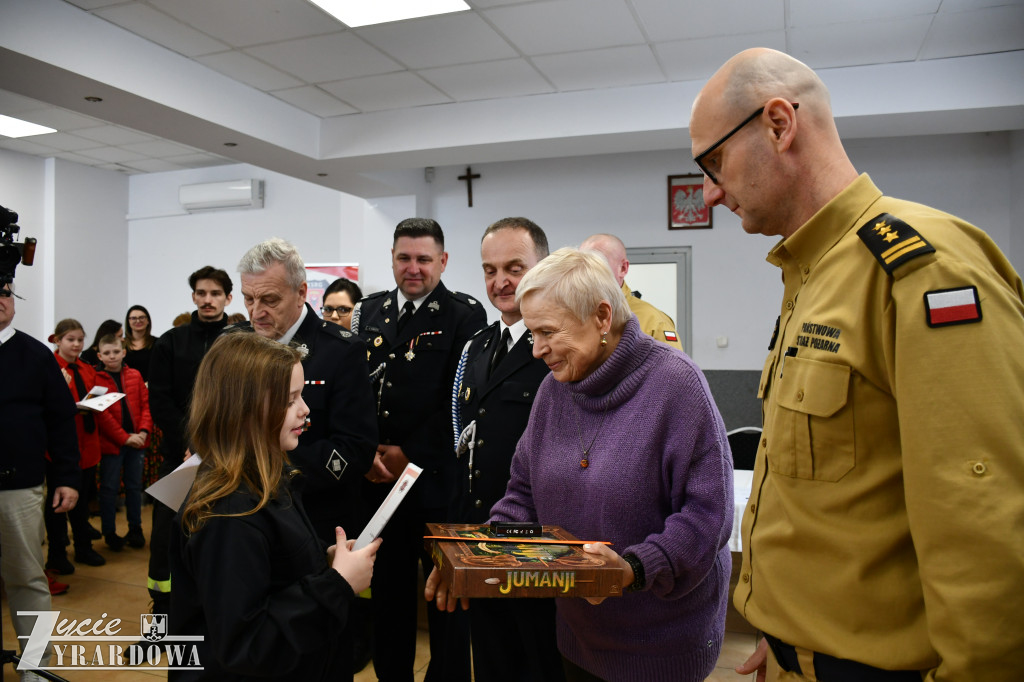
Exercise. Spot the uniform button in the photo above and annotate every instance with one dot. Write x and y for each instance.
(800, 395)
(481, 412)
(389, 384)
(764, 442)
(745, 577)
(753, 508)
(789, 305)
(391, 356)
(526, 394)
(480, 442)
(476, 473)
(979, 468)
(386, 414)
(807, 270)
(478, 504)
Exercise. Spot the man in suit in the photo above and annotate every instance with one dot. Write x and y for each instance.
(338, 447)
(499, 379)
(415, 335)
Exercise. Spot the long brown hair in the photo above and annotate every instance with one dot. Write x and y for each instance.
(238, 408)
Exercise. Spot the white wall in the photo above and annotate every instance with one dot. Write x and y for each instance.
(22, 189)
(166, 246)
(77, 215)
(1016, 193)
(91, 246)
(735, 293)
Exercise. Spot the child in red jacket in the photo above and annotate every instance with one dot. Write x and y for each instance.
(124, 430)
(69, 337)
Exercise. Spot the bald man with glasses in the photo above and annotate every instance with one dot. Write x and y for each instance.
(882, 539)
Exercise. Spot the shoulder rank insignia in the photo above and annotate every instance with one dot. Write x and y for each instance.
(892, 242)
(387, 303)
(434, 305)
(952, 306)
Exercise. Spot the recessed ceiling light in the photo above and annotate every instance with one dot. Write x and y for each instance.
(93, 99)
(14, 127)
(355, 13)
(230, 144)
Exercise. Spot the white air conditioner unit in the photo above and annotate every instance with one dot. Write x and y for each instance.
(210, 196)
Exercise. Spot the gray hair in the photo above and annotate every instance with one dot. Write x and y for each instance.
(274, 250)
(577, 281)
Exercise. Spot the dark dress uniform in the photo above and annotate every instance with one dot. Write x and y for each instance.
(499, 399)
(338, 447)
(413, 370)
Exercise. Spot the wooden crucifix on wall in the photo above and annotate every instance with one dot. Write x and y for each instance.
(469, 177)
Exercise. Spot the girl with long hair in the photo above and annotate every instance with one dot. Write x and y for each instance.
(250, 574)
(68, 338)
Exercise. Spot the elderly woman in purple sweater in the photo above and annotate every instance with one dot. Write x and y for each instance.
(624, 444)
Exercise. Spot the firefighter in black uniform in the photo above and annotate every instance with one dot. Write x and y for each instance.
(495, 385)
(415, 335)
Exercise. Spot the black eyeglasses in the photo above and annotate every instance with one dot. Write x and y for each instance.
(705, 166)
(328, 311)
(142, 318)
(4, 293)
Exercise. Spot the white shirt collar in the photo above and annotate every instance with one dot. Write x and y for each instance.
(515, 331)
(7, 334)
(290, 334)
(416, 302)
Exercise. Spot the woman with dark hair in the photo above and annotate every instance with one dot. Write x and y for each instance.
(269, 599)
(91, 355)
(340, 299)
(138, 344)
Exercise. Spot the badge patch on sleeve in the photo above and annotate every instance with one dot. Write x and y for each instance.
(892, 242)
(336, 465)
(952, 306)
(670, 336)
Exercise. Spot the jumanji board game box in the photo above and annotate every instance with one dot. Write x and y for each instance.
(474, 564)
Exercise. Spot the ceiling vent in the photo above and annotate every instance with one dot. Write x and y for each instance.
(212, 196)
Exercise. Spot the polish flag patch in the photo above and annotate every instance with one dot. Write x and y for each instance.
(952, 306)
(670, 336)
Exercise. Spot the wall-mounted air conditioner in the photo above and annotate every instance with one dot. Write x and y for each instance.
(210, 196)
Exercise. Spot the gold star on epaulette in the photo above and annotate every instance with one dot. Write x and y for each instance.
(892, 242)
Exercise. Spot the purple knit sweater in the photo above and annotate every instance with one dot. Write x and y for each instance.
(659, 485)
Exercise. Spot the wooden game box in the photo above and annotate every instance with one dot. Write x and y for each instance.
(474, 567)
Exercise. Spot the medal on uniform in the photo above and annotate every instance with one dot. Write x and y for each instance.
(377, 341)
(409, 355)
(386, 320)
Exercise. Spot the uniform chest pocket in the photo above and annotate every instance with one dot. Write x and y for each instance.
(514, 392)
(811, 430)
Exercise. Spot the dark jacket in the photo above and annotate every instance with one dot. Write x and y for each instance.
(339, 446)
(172, 374)
(500, 405)
(415, 390)
(37, 416)
(259, 589)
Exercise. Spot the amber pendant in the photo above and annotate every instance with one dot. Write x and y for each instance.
(584, 463)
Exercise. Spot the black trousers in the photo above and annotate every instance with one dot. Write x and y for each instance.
(159, 581)
(396, 597)
(514, 640)
(57, 524)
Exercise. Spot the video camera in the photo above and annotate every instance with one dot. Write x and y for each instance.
(11, 252)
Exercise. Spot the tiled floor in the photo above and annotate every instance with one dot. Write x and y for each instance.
(119, 590)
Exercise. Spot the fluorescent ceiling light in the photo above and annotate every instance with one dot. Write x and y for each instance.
(355, 13)
(13, 127)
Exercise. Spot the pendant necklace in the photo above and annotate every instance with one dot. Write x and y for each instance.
(585, 461)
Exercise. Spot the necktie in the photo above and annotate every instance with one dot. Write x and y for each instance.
(407, 311)
(87, 419)
(501, 351)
